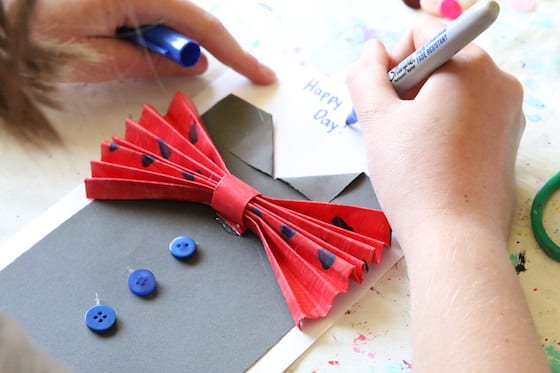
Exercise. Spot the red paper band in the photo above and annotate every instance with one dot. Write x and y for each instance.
(231, 197)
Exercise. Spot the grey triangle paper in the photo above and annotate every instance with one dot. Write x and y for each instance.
(248, 129)
(253, 144)
(321, 188)
(257, 150)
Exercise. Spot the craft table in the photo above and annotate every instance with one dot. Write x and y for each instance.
(327, 35)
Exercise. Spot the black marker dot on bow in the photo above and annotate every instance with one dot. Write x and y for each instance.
(113, 146)
(366, 266)
(326, 258)
(339, 222)
(188, 175)
(256, 211)
(147, 160)
(164, 149)
(287, 232)
(193, 134)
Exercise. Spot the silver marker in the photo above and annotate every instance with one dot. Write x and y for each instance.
(422, 62)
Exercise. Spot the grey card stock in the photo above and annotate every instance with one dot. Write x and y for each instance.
(218, 312)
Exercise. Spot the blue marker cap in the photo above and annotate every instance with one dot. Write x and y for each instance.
(165, 41)
(352, 118)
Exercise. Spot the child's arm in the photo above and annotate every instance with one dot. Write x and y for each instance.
(18, 353)
(442, 165)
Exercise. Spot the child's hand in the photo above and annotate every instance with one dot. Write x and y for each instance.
(442, 165)
(449, 151)
(93, 23)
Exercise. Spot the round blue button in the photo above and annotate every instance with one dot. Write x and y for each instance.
(182, 247)
(142, 282)
(100, 318)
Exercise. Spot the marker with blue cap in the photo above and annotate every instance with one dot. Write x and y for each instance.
(422, 62)
(165, 41)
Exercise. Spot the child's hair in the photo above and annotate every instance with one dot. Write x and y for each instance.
(28, 69)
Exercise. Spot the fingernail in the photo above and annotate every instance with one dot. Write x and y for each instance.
(267, 74)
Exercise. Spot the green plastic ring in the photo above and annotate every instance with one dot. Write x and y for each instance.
(541, 198)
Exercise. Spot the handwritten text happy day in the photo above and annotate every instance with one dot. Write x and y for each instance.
(329, 103)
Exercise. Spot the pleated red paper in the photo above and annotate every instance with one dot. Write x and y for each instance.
(314, 248)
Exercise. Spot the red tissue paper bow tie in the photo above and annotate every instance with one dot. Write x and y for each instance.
(314, 248)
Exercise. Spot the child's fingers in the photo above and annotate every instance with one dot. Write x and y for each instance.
(419, 35)
(215, 38)
(94, 22)
(368, 82)
(119, 59)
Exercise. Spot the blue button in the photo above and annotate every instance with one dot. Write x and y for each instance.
(100, 318)
(142, 282)
(182, 247)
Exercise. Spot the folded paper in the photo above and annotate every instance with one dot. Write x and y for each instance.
(314, 248)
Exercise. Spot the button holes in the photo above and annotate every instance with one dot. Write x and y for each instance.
(100, 318)
(182, 247)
